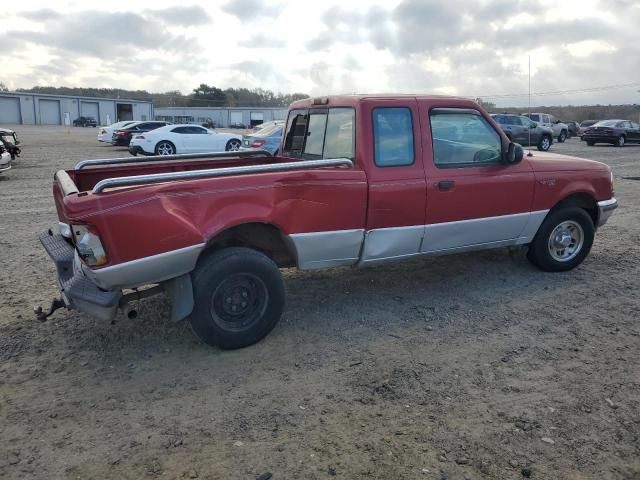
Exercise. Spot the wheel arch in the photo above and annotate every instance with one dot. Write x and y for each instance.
(583, 200)
(266, 238)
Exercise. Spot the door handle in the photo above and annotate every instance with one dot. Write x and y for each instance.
(445, 184)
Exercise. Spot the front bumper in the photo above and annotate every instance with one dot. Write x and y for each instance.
(606, 208)
(77, 290)
(5, 166)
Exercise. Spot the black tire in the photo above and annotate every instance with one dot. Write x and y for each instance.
(233, 145)
(545, 143)
(543, 251)
(620, 141)
(562, 137)
(591, 144)
(165, 147)
(238, 297)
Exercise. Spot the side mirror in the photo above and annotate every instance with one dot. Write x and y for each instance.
(514, 154)
(533, 125)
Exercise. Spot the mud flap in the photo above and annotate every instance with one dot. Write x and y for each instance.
(180, 293)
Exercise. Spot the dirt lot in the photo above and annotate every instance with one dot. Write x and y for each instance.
(474, 366)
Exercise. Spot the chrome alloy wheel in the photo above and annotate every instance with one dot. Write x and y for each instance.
(234, 145)
(165, 148)
(545, 143)
(565, 241)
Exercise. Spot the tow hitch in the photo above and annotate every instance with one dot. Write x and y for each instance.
(55, 305)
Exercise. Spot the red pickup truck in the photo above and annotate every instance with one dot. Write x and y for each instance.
(358, 180)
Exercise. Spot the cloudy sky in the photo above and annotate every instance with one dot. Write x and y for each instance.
(461, 47)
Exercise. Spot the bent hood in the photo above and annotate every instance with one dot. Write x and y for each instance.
(553, 162)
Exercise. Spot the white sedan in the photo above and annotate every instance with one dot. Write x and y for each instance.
(176, 139)
(105, 133)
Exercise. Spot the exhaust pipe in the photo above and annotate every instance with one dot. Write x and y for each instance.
(130, 312)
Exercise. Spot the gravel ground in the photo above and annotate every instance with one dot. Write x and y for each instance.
(475, 366)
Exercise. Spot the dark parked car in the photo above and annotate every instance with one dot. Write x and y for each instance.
(237, 125)
(9, 143)
(572, 128)
(584, 125)
(85, 122)
(616, 132)
(123, 136)
(266, 139)
(524, 131)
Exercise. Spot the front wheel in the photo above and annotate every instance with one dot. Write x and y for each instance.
(545, 143)
(621, 140)
(233, 145)
(238, 297)
(591, 144)
(563, 240)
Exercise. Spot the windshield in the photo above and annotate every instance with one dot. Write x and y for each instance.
(587, 123)
(8, 138)
(607, 123)
(270, 131)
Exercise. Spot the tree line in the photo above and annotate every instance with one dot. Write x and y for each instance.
(202, 96)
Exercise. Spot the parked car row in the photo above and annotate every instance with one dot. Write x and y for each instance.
(164, 138)
(522, 130)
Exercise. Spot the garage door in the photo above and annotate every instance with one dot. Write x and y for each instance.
(49, 112)
(89, 109)
(256, 118)
(235, 117)
(9, 110)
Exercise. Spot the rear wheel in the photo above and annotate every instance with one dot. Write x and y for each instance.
(591, 144)
(563, 240)
(165, 148)
(545, 143)
(239, 297)
(621, 140)
(233, 145)
(562, 137)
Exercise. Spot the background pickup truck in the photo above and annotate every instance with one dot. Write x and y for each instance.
(359, 180)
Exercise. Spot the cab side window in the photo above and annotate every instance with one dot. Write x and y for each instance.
(463, 137)
(393, 137)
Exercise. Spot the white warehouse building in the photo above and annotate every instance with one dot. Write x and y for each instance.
(221, 116)
(43, 109)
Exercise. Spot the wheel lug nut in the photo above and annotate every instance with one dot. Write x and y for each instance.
(244, 294)
(228, 299)
(244, 304)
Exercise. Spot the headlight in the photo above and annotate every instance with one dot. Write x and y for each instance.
(613, 183)
(89, 246)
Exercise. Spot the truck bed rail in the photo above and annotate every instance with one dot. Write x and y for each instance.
(161, 158)
(219, 172)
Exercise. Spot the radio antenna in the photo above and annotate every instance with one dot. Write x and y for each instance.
(529, 109)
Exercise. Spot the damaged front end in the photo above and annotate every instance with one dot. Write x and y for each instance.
(9, 143)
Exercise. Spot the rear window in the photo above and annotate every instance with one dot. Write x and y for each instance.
(608, 123)
(320, 133)
(534, 117)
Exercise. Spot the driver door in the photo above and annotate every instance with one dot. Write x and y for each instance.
(473, 199)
